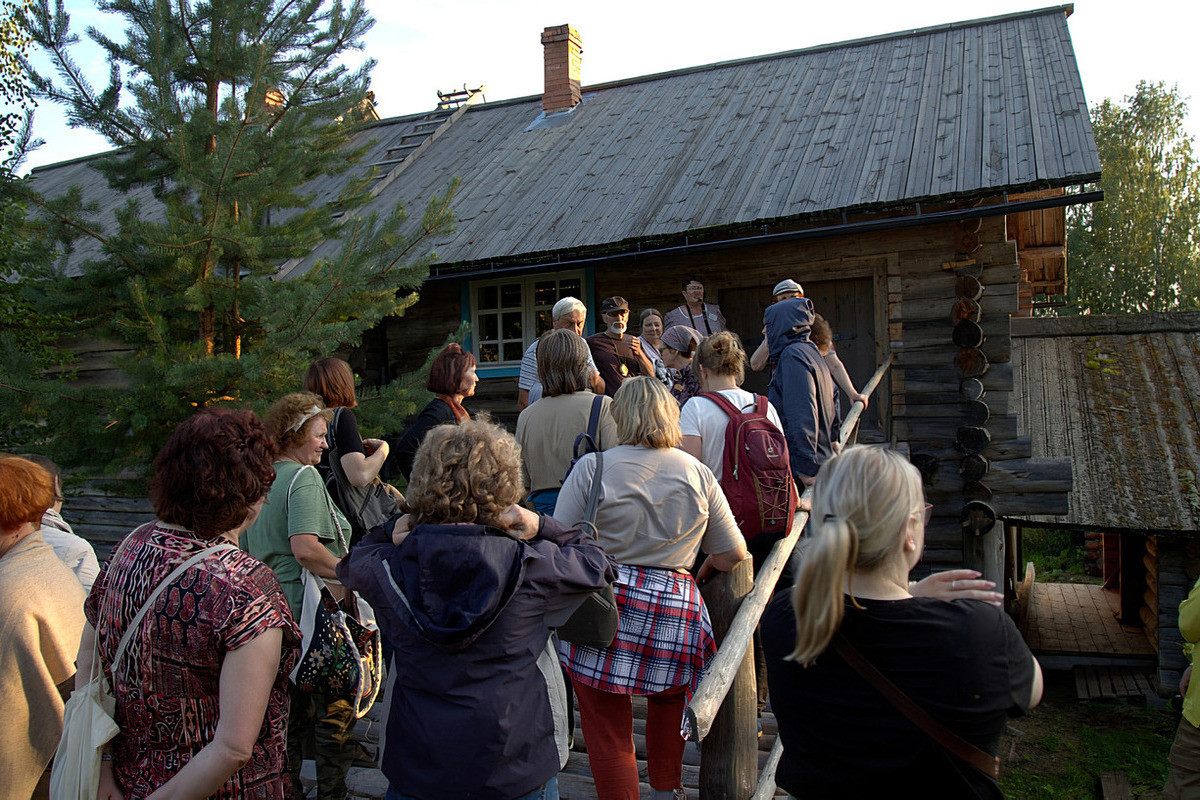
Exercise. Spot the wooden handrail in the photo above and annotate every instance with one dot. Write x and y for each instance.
(715, 685)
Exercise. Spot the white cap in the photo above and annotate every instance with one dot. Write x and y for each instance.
(788, 285)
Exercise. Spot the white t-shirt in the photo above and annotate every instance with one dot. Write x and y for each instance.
(528, 379)
(704, 418)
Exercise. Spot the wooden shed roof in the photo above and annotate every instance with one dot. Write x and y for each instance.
(958, 110)
(1119, 396)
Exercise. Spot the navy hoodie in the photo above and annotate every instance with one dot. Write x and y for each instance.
(468, 610)
(801, 388)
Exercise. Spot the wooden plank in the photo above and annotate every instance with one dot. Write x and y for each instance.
(1115, 786)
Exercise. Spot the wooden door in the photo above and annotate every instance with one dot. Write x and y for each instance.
(847, 304)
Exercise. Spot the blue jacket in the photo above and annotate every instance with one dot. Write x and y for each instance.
(468, 610)
(801, 388)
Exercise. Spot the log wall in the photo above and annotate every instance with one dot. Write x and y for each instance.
(1177, 567)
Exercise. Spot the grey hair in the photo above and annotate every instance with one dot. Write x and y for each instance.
(566, 306)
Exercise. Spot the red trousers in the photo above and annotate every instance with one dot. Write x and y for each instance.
(607, 722)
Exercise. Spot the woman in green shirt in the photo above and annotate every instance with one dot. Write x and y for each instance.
(300, 528)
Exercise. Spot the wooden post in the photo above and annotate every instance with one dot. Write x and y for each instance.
(729, 753)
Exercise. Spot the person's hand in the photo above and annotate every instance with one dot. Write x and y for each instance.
(402, 528)
(371, 445)
(859, 397)
(519, 522)
(1185, 680)
(109, 788)
(706, 571)
(958, 584)
(394, 492)
(804, 504)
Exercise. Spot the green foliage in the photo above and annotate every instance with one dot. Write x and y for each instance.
(1057, 556)
(15, 98)
(223, 114)
(1139, 250)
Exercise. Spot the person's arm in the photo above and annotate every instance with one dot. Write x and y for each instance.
(838, 370)
(1035, 694)
(247, 675)
(597, 383)
(361, 470)
(647, 366)
(720, 528)
(761, 355)
(313, 555)
(692, 445)
(522, 399)
(572, 497)
(83, 661)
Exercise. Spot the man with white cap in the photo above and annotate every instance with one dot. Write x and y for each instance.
(786, 289)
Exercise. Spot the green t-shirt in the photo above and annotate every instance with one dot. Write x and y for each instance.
(297, 503)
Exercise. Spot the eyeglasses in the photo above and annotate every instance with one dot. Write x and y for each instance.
(695, 287)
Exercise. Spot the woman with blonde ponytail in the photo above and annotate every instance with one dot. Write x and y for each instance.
(945, 642)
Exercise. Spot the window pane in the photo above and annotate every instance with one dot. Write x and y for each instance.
(570, 288)
(510, 295)
(489, 327)
(489, 353)
(512, 325)
(544, 321)
(488, 295)
(513, 351)
(544, 293)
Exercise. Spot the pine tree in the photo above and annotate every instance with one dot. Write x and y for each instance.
(225, 110)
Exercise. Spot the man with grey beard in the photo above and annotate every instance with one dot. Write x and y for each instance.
(617, 354)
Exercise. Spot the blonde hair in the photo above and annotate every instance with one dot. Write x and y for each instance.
(721, 354)
(465, 473)
(287, 411)
(862, 500)
(646, 414)
(562, 363)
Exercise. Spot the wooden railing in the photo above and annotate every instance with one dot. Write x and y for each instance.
(728, 743)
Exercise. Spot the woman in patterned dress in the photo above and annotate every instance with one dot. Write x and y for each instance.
(201, 690)
(658, 506)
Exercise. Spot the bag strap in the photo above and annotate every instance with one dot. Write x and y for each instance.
(158, 590)
(589, 513)
(593, 427)
(951, 741)
(333, 517)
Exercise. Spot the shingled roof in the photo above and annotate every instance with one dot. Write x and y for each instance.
(959, 110)
(1120, 397)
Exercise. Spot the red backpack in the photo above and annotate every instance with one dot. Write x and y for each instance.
(756, 474)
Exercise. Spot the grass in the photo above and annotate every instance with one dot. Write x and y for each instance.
(1061, 748)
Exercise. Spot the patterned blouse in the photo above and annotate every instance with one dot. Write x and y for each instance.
(167, 684)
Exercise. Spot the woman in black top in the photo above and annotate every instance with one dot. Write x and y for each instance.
(451, 379)
(332, 381)
(963, 662)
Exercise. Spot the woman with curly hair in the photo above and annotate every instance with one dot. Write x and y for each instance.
(658, 507)
(201, 690)
(300, 529)
(451, 379)
(41, 617)
(468, 599)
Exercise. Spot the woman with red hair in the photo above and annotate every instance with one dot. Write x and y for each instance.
(41, 618)
(451, 379)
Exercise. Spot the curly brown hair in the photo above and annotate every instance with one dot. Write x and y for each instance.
(465, 473)
(216, 465)
(290, 409)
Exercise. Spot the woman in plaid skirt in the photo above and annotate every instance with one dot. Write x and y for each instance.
(658, 506)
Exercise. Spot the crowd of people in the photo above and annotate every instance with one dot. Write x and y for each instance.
(616, 478)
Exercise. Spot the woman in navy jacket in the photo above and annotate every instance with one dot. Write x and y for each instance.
(468, 599)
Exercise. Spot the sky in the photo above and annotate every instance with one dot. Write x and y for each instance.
(422, 47)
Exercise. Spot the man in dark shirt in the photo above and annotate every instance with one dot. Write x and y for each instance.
(617, 354)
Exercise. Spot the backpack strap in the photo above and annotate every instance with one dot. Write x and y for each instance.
(722, 403)
(590, 439)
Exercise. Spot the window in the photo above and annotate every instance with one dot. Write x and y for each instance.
(508, 314)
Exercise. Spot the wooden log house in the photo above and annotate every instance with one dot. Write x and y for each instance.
(914, 184)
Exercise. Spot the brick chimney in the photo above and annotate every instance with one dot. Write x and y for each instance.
(564, 53)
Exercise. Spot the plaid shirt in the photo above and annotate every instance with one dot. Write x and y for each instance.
(664, 637)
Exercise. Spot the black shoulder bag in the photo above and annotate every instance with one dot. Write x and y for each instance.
(595, 622)
(366, 507)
